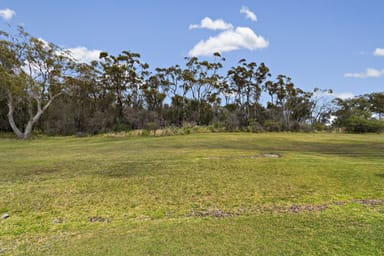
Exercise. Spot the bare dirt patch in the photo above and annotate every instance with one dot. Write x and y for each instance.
(262, 155)
(305, 208)
(369, 201)
(99, 219)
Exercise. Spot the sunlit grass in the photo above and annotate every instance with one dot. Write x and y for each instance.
(202, 194)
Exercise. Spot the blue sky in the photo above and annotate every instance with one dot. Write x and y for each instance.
(337, 44)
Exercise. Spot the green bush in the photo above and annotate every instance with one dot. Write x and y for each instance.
(317, 126)
(272, 126)
(255, 127)
(358, 124)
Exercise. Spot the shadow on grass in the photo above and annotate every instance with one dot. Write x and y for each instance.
(27, 174)
(355, 150)
(365, 150)
(126, 169)
(362, 150)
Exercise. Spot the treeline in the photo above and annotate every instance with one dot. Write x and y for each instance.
(43, 88)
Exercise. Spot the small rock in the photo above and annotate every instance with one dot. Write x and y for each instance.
(5, 216)
(271, 155)
(99, 219)
(57, 221)
(294, 208)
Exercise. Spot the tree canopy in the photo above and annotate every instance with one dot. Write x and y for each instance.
(43, 88)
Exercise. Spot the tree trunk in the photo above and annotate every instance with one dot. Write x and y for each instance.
(31, 121)
(11, 120)
(28, 130)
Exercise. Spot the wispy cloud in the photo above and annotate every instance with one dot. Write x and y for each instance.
(369, 73)
(241, 37)
(248, 13)
(208, 23)
(379, 52)
(7, 14)
(341, 95)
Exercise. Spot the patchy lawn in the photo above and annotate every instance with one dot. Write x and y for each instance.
(199, 194)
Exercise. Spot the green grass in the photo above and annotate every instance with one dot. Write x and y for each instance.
(199, 194)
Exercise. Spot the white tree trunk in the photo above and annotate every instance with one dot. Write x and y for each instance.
(32, 120)
(11, 120)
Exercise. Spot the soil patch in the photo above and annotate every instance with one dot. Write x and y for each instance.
(217, 213)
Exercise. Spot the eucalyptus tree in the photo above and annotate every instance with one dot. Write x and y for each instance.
(32, 76)
(355, 115)
(171, 83)
(153, 94)
(299, 107)
(90, 101)
(287, 103)
(123, 75)
(376, 101)
(246, 82)
(169, 80)
(321, 106)
(203, 79)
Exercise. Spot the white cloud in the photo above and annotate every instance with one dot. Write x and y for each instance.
(7, 14)
(248, 13)
(45, 43)
(79, 54)
(327, 94)
(208, 23)
(343, 95)
(369, 72)
(82, 54)
(242, 37)
(379, 52)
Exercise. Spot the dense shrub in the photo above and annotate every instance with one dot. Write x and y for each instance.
(359, 124)
(272, 126)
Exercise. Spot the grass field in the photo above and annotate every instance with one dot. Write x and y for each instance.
(198, 194)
